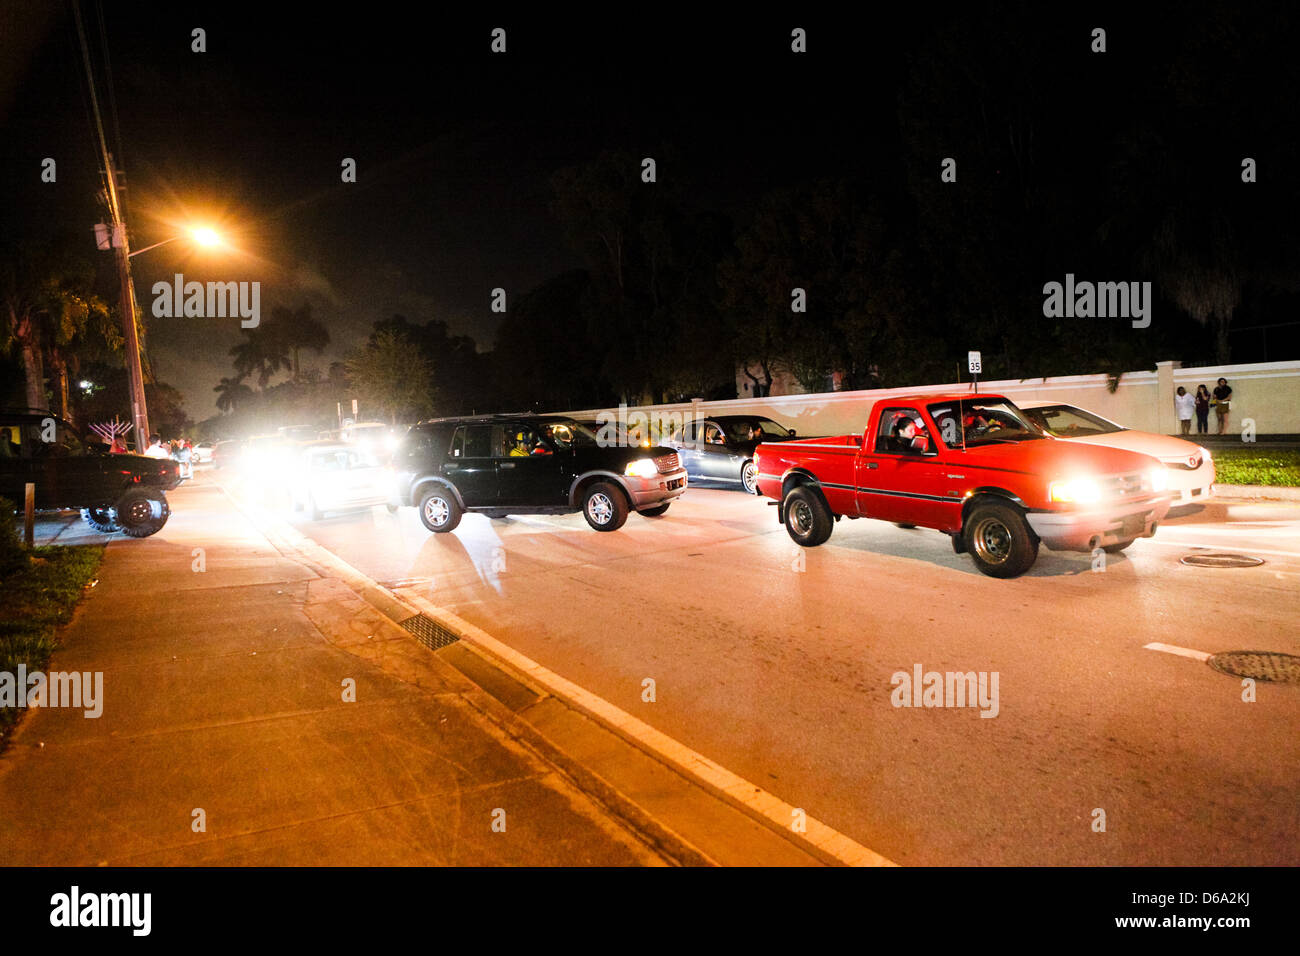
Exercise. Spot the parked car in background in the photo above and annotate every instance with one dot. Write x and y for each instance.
(334, 476)
(227, 454)
(722, 447)
(203, 452)
(1190, 467)
(114, 492)
(529, 464)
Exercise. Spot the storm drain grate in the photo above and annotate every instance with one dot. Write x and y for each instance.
(1259, 665)
(1216, 560)
(429, 632)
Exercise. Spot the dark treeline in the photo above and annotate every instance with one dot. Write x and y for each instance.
(1015, 153)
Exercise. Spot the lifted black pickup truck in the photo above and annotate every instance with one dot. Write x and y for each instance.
(529, 464)
(113, 492)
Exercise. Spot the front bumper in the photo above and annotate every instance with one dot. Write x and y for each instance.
(649, 492)
(1189, 485)
(1098, 527)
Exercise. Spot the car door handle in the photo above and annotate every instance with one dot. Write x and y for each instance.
(450, 467)
(871, 464)
(507, 464)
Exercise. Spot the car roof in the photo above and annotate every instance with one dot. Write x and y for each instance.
(942, 397)
(501, 417)
(739, 418)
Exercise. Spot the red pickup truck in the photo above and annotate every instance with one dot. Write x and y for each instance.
(974, 467)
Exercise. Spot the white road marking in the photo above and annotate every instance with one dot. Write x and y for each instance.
(1180, 651)
(1244, 549)
(687, 761)
(714, 776)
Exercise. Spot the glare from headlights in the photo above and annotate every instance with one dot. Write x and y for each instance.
(1205, 453)
(1079, 490)
(1159, 479)
(641, 468)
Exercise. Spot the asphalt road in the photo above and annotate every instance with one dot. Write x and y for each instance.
(777, 663)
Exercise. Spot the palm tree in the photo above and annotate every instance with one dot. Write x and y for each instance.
(231, 393)
(263, 351)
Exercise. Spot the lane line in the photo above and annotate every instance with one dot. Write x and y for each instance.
(687, 761)
(1222, 547)
(1180, 651)
(712, 776)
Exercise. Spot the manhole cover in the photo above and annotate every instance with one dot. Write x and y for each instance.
(1259, 665)
(1216, 560)
(429, 632)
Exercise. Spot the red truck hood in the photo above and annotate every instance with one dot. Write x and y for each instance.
(1052, 459)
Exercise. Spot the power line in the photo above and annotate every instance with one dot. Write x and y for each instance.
(112, 96)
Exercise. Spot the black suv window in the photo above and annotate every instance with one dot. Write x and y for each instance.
(478, 441)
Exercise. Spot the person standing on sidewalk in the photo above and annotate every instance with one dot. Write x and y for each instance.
(1202, 410)
(1221, 403)
(1185, 405)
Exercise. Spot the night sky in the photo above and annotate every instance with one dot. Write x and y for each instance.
(455, 145)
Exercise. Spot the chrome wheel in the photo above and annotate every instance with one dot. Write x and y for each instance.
(749, 477)
(802, 516)
(992, 540)
(599, 508)
(436, 511)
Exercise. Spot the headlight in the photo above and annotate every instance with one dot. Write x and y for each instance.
(1205, 453)
(1159, 480)
(641, 468)
(1080, 490)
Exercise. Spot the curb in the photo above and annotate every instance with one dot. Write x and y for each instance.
(819, 842)
(1256, 492)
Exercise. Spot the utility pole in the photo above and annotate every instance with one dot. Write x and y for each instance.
(120, 243)
(130, 334)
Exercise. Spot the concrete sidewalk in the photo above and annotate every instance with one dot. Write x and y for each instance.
(224, 676)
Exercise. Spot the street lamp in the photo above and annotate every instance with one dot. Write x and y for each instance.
(202, 235)
(135, 379)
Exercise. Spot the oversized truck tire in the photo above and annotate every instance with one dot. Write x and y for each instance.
(807, 519)
(103, 520)
(141, 513)
(999, 540)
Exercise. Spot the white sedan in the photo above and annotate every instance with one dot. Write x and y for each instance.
(332, 476)
(1189, 466)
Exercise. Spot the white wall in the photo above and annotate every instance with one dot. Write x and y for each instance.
(1267, 392)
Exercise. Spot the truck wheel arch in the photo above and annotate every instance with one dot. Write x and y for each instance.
(984, 494)
(798, 478)
(588, 478)
(419, 487)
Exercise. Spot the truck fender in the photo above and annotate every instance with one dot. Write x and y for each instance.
(586, 478)
(418, 486)
(795, 478)
(990, 492)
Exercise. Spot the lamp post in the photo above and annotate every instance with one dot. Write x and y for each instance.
(134, 373)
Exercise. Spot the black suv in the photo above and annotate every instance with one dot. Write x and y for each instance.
(114, 492)
(529, 464)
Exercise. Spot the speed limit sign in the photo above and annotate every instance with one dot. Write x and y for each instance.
(974, 359)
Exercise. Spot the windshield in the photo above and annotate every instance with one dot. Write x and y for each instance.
(1066, 421)
(738, 431)
(342, 460)
(982, 423)
(568, 434)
